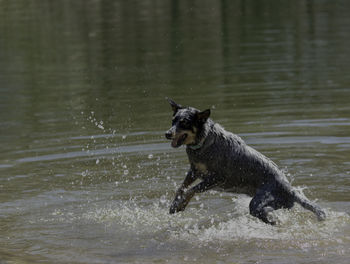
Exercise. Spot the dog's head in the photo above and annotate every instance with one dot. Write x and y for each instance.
(186, 124)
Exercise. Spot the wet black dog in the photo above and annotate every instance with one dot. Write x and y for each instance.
(223, 161)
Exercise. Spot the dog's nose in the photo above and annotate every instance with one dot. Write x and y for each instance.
(168, 134)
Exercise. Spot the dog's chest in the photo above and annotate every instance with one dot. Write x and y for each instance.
(203, 163)
(200, 167)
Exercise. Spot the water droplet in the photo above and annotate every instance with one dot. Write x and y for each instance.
(163, 200)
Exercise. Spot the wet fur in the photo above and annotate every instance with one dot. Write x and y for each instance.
(224, 162)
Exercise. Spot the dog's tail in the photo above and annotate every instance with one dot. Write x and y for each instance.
(307, 204)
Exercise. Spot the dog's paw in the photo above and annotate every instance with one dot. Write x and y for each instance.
(173, 209)
(267, 216)
(176, 207)
(178, 204)
(321, 215)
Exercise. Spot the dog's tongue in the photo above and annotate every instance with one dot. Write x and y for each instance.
(177, 142)
(174, 143)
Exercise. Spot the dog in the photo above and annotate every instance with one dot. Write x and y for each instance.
(223, 161)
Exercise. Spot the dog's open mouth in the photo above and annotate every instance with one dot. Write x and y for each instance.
(178, 141)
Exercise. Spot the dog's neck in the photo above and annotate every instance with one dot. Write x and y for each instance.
(197, 146)
(202, 136)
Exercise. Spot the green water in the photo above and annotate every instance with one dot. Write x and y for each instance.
(86, 175)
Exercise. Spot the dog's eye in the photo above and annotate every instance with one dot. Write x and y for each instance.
(184, 123)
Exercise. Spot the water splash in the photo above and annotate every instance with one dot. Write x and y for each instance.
(297, 228)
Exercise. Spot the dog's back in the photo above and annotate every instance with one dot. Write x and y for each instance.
(240, 167)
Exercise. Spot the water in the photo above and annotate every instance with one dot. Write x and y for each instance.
(86, 175)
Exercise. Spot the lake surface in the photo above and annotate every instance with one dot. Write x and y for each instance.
(86, 175)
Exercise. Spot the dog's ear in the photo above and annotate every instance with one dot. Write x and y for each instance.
(203, 116)
(173, 105)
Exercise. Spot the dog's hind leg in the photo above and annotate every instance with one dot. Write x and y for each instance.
(262, 211)
(304, 202)
(262, 204)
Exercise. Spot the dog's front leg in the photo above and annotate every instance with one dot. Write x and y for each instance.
(180, 202)
(208, 183)
(184, 198)
(179, 196)
(191, 176)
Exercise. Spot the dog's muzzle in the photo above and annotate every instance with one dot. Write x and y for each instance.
(176, 139)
